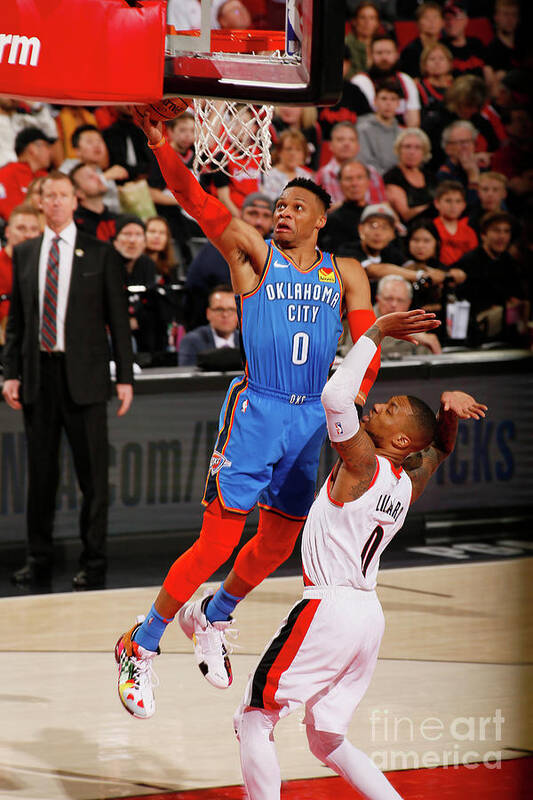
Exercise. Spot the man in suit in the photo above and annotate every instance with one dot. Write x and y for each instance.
(67, 293)
(221, 331)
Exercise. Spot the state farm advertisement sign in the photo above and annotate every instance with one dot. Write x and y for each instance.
(82, 51)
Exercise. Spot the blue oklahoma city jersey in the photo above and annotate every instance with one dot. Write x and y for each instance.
(291, 324)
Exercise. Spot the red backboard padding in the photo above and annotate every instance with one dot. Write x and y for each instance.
(82, 51)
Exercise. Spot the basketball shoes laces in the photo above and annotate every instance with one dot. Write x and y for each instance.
(136, 677)
(209, 641)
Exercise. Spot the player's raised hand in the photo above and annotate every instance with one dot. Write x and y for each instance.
(152, 128)
(463, 405)
(406, 324)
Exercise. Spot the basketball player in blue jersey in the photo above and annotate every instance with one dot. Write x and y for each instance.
(290, 299)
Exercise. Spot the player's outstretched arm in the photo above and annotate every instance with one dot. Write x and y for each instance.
(241, 245)
(453, 407)
(354, 446)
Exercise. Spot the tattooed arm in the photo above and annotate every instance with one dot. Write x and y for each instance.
(453, 407)
(354, 446)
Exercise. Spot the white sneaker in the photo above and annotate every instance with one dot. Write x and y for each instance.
(136, 677)
(209, 641)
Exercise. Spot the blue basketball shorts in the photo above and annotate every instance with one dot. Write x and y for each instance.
(267, 450)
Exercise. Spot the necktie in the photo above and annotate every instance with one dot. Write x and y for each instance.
(48, 327)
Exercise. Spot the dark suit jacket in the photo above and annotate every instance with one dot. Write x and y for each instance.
(195, 342)
(96, 299)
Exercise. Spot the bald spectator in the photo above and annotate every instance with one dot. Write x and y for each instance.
(92, 215)
(342, 225)
(34, 157)
(344, 147)
(24, 223)
(394, 293)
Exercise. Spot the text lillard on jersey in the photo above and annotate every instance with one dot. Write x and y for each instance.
(387, 505)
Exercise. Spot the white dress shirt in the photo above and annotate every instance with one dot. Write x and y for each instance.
(220, 341)
(67, 238)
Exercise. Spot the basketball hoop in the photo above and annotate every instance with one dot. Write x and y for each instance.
(231, 133)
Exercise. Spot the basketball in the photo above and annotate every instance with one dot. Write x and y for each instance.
(166, 109)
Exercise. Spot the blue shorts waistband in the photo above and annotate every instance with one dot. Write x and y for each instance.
(294, 398)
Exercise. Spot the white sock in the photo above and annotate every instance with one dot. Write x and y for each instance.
(259, 761)
(352, 764)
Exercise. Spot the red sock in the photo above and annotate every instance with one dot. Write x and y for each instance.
(359, 322)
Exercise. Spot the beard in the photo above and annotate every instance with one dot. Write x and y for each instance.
(377, 74)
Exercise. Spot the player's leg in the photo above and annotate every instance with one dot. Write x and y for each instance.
(270, 547)
(247, 446)
(259, 762)
(283, 508)
(328, 714)
(357, 769)
(221, 530)
(135, 650)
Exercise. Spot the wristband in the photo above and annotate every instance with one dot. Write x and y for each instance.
(359, 321)
(160, 143)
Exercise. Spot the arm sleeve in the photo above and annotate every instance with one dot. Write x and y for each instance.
(212, 215)
(339, 393)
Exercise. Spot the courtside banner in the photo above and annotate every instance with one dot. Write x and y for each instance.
(82, 51)
(159, 454)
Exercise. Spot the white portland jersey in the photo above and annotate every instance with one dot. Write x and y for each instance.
(342, 542)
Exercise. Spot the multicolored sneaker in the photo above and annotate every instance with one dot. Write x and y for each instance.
(136, 677)
(209, 640)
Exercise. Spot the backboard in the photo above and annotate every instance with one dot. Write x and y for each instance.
(287, 51)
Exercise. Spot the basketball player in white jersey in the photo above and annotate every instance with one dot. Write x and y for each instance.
(325, 651)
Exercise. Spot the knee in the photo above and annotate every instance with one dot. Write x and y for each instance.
(254, 724)
(323, 743)
(277, 536)
(209, 553)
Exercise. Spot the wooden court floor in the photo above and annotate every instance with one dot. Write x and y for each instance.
(452, 686)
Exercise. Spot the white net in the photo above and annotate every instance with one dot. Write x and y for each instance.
(229, 132)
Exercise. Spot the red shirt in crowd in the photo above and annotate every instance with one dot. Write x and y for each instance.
(453, 246)
(6, 282)
(15, 178)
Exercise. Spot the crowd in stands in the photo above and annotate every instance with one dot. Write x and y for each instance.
(428, 158)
